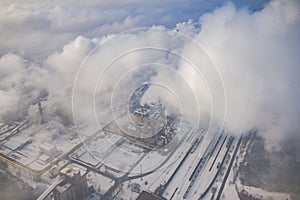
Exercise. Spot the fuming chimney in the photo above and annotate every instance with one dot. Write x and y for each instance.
(41, 111)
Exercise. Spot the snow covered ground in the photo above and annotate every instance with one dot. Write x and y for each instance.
(100, 183)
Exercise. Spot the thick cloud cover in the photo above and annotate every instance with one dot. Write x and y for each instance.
(257, 54)
(36, 28)
(255, 51)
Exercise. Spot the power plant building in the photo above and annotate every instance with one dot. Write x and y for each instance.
(74, 185)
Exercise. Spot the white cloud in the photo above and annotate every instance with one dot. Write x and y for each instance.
(257, 56)
(256, 53)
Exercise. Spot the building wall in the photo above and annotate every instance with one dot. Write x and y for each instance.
(78, 189)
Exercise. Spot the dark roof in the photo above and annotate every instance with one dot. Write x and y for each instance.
(149, 196)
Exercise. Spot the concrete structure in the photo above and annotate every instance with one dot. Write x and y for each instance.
(44, 159)
(74, 185)
(65, 192)
(48, 149)
(141, 116)
(16, 143)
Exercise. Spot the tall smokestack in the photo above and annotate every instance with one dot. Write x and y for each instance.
(41, 111)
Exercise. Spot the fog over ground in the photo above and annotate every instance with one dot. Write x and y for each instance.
(255, 47)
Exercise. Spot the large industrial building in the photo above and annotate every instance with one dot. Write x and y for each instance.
(74, 185)
(120, 160)
(151, 127)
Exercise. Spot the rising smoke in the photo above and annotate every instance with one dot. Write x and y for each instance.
(256, 54)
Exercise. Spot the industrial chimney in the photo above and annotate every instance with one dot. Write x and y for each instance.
(41, 112)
